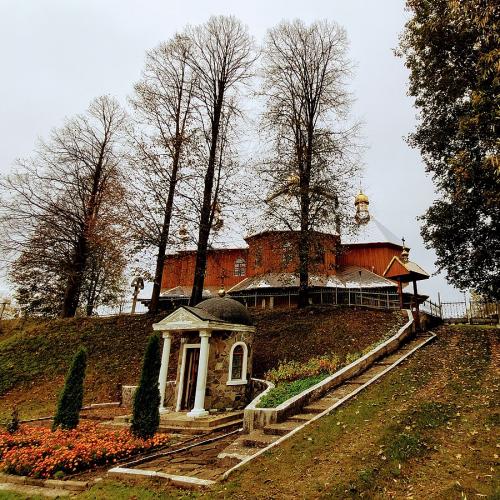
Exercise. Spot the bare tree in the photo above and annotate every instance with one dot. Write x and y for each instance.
(104, 278)
(221, 57)
(304, 85)
(60, 196)
(163, 104)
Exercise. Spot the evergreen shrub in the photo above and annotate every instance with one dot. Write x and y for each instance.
(71, 398)
(146, 415)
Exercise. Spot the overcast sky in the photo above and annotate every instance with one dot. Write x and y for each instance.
(56, 56)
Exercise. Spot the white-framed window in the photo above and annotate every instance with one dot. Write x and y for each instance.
(240, 267)
(238, 359)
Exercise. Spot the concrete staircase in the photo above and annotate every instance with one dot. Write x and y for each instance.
(248, 444)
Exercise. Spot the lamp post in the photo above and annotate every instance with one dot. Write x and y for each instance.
(138, 285)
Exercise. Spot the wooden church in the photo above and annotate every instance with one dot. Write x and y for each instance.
(373, 266)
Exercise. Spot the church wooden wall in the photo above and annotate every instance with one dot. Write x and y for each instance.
(179, 268)
(277, 252)
(373, 256)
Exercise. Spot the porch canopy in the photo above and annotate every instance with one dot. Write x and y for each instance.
(405, 271)
(220, 313)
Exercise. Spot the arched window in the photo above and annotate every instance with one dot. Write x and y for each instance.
(238, 364)
(240, 267)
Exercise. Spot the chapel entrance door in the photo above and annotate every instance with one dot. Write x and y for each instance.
(190, 376)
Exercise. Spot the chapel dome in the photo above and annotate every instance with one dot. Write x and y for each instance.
(226, 309)
(361, 198)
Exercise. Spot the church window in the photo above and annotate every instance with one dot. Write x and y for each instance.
(240, 267)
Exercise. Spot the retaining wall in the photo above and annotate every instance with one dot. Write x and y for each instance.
(257, 418)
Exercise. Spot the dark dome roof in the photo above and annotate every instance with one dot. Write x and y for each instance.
(226, 309)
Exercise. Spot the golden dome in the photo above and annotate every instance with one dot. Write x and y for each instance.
(361, 198)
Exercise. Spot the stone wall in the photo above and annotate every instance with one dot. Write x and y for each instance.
(219, 395)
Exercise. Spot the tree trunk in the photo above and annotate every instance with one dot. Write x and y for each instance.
(75, 281)
(206, 211)
(162, 247)
(304, 243)
(74, 284)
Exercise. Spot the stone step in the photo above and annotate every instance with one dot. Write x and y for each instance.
(391, 359)
(384, 363)
(340, 392)
(281, 428)
(369, 374)
(406, 349)
(198, 430)
(301, 417)
(257, 439)
(236, 450)
(316, 407)
(212, 421)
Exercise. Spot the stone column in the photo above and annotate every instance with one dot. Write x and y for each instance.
(201, 380)
(165, 356)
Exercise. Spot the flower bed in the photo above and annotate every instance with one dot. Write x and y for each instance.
(288, 371)
(292, 377)
(39, 452)
(286, 390)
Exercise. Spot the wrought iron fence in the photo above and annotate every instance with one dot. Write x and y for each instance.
(474, 311)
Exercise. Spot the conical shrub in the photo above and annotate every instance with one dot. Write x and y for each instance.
(146, 416)
(71, 398)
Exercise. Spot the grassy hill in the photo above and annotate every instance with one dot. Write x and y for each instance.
(428, 429)
(34, 353)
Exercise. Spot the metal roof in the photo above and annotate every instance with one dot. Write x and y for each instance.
(346, 277)
(372, 231)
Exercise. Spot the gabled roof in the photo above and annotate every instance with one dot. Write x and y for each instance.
(405, 271)
(185, 291)
(187, 318)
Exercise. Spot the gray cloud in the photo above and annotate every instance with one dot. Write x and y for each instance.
(58, 55)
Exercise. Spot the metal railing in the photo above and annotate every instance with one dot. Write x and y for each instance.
(322, 296)
(454, 310)
(474, 311)
(431, 308)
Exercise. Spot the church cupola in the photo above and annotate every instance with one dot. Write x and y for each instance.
(405, 253)
(361, 202)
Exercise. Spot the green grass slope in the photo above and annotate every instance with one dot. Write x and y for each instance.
(35, 354)
(428, 429)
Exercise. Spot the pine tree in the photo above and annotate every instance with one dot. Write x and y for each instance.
(71, 398)
(146, 416)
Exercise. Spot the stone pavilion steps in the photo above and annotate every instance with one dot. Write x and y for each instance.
(179, 423)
